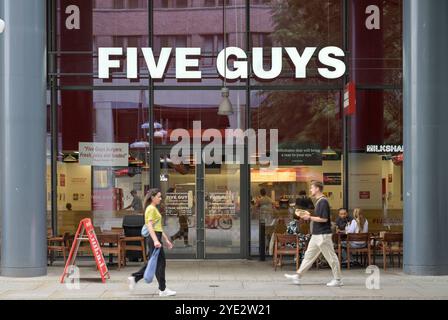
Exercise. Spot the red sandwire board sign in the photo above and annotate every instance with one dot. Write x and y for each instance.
(85, 225)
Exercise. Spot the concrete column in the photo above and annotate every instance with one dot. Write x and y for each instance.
(22, 138)
(425, 132)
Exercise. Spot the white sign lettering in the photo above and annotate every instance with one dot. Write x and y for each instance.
(73, 21)
(373, 20)
(187, 62)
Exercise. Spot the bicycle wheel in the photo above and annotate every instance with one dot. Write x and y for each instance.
(225, 223)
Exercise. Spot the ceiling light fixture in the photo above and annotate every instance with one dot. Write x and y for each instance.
(225, 107)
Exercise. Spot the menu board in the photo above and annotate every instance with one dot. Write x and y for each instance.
(179, 203)
(332, 178)
(219, 203)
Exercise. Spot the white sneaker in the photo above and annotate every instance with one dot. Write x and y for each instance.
(335, 283)
(294, 277)
(166, 293)
(131, 283)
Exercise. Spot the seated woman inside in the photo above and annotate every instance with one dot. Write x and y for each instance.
(358, 224)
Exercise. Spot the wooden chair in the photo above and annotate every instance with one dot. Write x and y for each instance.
(339, 237)
(58, 244)
(133, 247)
(336, 244)
(392, 243)
(282, 247)
(114, 246)
(337, 249)
(358, 237)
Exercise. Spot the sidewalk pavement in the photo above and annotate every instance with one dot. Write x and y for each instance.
(225, 279)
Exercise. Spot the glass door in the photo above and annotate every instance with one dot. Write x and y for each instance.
(222, 211)
(201, 208)
(177, 183)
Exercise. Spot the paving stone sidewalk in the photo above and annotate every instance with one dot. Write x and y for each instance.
(225, 279)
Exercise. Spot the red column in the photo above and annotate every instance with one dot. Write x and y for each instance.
(77, 106)
(366, 67)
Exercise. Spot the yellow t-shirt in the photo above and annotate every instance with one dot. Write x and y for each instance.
(152, 214)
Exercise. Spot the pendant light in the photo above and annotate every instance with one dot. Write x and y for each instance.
(328, 151)
(70, 158)
(225, 107)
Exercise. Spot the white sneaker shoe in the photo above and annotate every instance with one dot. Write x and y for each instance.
(294, 277)
(166, 293)
(335, 283)
(131, 283)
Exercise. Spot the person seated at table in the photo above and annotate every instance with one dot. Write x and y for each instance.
(294, 228)
(303, 201)
(136, 203)
(359, 224)
(343, 220)
(266, 206)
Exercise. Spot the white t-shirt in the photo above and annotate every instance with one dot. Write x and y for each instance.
(354, 228)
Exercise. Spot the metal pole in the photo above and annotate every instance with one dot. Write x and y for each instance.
(345, 131)
(152, 159)
(246, 171)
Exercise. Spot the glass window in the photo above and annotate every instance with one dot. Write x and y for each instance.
(208, 45)
(119, 4)
(375, 176)
(181, 3)
(137, 4)
(376, 43)
(127, 4)
(261, 40)
(171, 3)
(209, 3)
(308, 123)
(306, 112)
(100, 26)
(103, 157)
(199, 26)
(297, 24)
(179, 109)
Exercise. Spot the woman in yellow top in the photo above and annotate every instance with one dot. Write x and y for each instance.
(153, 220)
